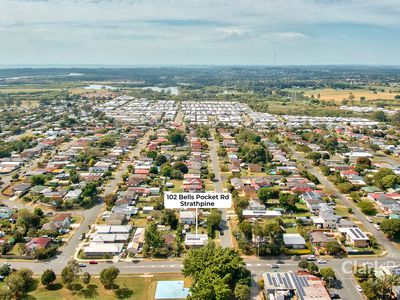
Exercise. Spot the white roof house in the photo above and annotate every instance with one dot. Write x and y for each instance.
(193, 240)
(99, 249)
(109, 238)
(261, 213)
(113, 229)
(294, 240)
(355, 236)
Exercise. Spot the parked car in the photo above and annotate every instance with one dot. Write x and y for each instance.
(369, 219)
(321, 261)
(221, 232)
(93, 262)
(359, 288)
(82, 265)
(377, 227)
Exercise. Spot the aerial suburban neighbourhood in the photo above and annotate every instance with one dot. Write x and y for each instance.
(200, 150)
(315, 199)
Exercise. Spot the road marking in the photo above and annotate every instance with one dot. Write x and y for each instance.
(172, 266)
(258, 265)
(249, 265)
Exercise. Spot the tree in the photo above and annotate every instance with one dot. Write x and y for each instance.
(48, 277)
(214, 219)
(86, 278)
(14, 284)
(166, 171)
(176, 137)
(153, 239)
(242, 292)
(38, 211)
(389, 181)
(334, 248)
(288, 201)
(17, 284)
(255, 154)
(27, 220)
(70, 272)
(5, 270)
(312, 268)
(382, 173)
(160, 160)
(345, 187)
(176, 174)
(247, 229)
(108, 276)
(153, 170)
(211, 176)
(38, 179)
(303, 264)
(391, 227)
(367, 208)
(215, 271)
(264, 194)
(380, 116)
(327, 274)
(181, 167)
(269, 238)
(169, 218)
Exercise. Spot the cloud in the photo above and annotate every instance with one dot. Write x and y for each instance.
(288, 35)
(185, 28)
(232, 31)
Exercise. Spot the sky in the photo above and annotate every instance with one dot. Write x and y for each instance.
(199, 32)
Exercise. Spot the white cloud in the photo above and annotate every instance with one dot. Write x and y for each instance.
(232, 31)
(83, 29)
(287, 35)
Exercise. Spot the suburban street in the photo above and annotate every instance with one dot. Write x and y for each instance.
(390, 248)
(90, 216)
(226, 239)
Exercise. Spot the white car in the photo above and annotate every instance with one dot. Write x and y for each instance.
(369, 220)
(377, 227)
(321, 261)
(359, 288)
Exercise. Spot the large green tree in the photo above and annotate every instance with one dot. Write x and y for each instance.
(108, 276)
(215, 271)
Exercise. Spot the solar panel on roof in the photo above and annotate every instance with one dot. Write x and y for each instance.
(354, 232)
(274, 281)
(279, 278)
(285, 282)
(289, 281)
(299, 288)
(269, 279)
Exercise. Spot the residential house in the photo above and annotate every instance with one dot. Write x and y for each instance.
(62, 220)
(355, 236)
(37, 243)
(294, 240)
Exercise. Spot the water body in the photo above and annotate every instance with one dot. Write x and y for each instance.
(99, 87)
(172, 89)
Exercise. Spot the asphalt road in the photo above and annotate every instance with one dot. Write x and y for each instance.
(342, 267)
(226, 239)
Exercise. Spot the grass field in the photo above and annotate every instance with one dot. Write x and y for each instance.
(339, 95)
(138, 288)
